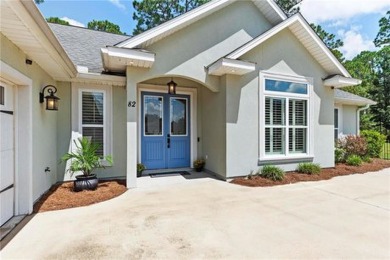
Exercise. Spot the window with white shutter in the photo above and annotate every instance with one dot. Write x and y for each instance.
(92, 113)
(284, 119)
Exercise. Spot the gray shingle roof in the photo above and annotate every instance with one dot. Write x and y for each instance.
(351, 98)
(83, 45)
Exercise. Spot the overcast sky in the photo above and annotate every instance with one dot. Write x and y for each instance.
(353, 21)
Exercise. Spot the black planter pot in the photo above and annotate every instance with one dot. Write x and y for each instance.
(139, 174)
(83, 182)
(199, 169)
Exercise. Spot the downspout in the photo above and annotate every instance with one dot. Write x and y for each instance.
(358, 117)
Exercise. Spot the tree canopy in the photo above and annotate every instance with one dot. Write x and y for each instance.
(330, 41)
(289, 7)
(150, 13)
(383, 36)
(57, 20)
(105, 26)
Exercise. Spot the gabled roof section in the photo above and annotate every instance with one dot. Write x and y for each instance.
(347, 98)
(306, 35)
(268, 7)
(83, 45)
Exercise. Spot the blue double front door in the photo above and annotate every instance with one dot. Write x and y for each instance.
(165, 141)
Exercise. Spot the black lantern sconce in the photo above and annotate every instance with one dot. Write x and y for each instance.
(171, 87)
(51, 99)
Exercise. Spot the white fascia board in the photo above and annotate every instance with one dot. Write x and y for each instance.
(270, 33)
(130, 54)
(262, 38)
(277, 9)
(340, 82)
(347, 101)
(97, 78)
(167, 26)
(228, 66)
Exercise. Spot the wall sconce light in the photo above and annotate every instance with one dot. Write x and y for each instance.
(51, 99)
(171, 87)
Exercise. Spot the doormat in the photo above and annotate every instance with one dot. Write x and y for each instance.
(167, 174)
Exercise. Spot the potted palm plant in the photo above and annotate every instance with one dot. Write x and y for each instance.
(85, 160)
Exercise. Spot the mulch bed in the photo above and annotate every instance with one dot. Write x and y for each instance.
(62, 196)
(326, 174)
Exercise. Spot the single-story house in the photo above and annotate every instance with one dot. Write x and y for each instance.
(248, 86)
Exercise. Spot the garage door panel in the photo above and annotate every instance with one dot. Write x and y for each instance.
(6, 132)
(7, 205)
(6, 169)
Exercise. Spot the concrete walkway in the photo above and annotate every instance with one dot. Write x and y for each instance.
(346, 217)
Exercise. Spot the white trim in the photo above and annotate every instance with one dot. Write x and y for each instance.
(77, 89)
(297, 18)
(228, 66)
(287, 96)
(23, 137)
(338, 81)
(115, 58)
(97, 79)
(339, 108)
(193, 93)
(186, 19)
(142, 117)
(170, 115)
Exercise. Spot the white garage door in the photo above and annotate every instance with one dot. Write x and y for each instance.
(7, 152)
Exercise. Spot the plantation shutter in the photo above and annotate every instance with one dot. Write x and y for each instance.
(93, 118)
(297, 126)
(275, 125)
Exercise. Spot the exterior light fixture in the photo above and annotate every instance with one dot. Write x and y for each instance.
(171, 87)
(51, 99)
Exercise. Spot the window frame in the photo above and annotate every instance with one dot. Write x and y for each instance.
(263, 94)
(77, 125)
(162, 116)
(170, 116)
(104, 125)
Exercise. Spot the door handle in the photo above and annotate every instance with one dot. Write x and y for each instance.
(168, 141)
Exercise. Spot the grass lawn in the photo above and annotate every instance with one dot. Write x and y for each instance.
(385, 154)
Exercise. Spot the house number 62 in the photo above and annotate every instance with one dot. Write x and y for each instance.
(131, 104)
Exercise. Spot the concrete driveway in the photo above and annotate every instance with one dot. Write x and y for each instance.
(346, 217)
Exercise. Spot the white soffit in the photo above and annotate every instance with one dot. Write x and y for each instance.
(233, 67)
(338, 81)
(302, 30)
(117, 59)
(272, 12)
(23, 24)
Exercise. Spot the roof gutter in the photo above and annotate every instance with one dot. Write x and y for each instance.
(358, 117)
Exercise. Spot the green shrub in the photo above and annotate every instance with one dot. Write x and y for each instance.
(366, 159)
(309, 168)
(272, 172)
(339, 155)
(375, 142)
(353, 145)
(354, 160)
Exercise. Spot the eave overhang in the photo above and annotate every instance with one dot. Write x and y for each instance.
(116, 59)
(225, 66)
(23, 24)
(346, 101)
(339, 81)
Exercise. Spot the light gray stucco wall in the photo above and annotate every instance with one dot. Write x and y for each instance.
(44, 130)
(349, 119)
(184, 54)
(64, 128)
(282, 54)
